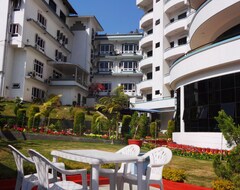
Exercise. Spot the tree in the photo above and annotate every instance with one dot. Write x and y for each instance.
(229, 168)
(48, 107)
(111, 106)
(1, 105)
(79, 123)
(125, 125)
(230, 130)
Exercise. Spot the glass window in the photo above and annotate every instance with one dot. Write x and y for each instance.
(129, 48)
(53, 5)
(157, 68)
(62, 16)
(104, 66)
(106, 48)
(183, 15)
(39, 43)
(182, 41)
(227, 81)
(37, 93)
(42, 21)
(107, 87)
(14, 30)
(157, 22)
(38, 68)
(149, 97)
(128, 87)
(16, 5)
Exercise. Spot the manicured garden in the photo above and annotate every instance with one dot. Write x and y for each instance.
(198, 172)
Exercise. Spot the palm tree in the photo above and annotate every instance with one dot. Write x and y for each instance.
(110, 107)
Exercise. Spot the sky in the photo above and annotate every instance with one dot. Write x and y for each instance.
(115, 16)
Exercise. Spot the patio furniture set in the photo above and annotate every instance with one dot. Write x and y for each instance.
(47, 176)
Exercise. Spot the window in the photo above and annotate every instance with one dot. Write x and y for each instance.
(15, 85)
(157, 92)
(59, 56)
(157, 22)
(157, 68)
(128, 87)
(150, 31)
(172, 44)
(172, 20)
(62, 16)
(38, 68)
(16, 4)
(61, 38)
(14, 30)
(182, 41)
(106, 49)
(149, 76)
(157, 45)
(37, 93)
(107, 87)
(149, 54)
(149, 97)
(157, 1)
(128, 65)
(56, 74)
(41, 20)
(39, 43)
(129, 48)
(53, 5)
(104, 66)
(183, 15)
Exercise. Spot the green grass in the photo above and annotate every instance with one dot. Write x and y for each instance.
(199, 172)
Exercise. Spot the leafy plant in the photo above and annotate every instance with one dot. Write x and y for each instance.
(229, 169)
(172, 174)
(79, 123)
(125, 125)
(170, 128)
(153, 129)
(222, 184)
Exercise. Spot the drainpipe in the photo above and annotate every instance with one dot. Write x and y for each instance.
(4, 52)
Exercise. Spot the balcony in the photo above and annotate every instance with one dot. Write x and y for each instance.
(207, 61)
(176, 27)
(127, 72)
(204, 29)
(144, 3)
(146, 20)
(68, 82)
(146, 63)
(146, 41)
(172, 6)
(165, 103)
(176, 52)
(145, 85)
(196, 4)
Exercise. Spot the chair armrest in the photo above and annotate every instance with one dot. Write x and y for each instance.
(155, 165)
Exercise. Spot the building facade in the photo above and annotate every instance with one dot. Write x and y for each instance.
(117, 63)
(199, 61)
(45, 49)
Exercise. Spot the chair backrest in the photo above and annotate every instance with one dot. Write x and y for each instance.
(159, 157)
(133, 150)
(19, 158)
(42, 165)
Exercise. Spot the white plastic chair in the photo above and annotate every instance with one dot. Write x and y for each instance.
(23, 181)
(43, 164)
(27, 182)
(158, 157)
(111, 174)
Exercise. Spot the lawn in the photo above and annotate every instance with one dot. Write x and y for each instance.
(199, 172)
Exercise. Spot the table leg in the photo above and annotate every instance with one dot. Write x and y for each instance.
(95, 177)
(139, 175)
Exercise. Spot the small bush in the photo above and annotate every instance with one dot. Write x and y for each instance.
(170, 128)
(125, 125)
(173, 174)
(79, 123)
(222, 184)
(153, 129)
(21, 117)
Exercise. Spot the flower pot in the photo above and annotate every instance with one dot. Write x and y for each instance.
(135, 141)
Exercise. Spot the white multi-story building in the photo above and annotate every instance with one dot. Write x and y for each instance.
(117, 62)
(191, 49)
(45, 48)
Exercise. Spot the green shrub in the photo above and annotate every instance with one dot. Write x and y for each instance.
(125, 125)
(170, 128)
(79, 123)
(11, 122)
(2, 122)
(153, 129)
(222, 184)
(33, 122)
(21, 117)
(173, 174)
(58, 125)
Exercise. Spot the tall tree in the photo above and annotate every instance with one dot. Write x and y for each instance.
(111, 106)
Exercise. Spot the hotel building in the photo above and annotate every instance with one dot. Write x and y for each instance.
(190, 53)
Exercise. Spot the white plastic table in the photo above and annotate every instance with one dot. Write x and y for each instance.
(97, 157)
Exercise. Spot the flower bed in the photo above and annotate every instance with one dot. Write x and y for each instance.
(196, 152)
